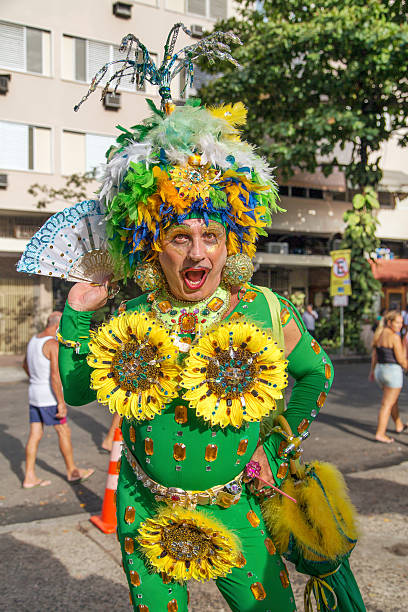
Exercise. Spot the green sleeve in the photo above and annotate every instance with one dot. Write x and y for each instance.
(313, 373)
(74, 370)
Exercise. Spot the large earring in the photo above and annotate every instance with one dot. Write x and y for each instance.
(149, 277)
(238, 270)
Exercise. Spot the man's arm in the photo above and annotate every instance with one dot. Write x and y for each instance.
(25, 366)
(50, 350)
(313, 373)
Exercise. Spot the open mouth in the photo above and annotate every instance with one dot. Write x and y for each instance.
(195, 278)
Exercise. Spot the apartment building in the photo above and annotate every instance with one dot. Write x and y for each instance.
(49, 51)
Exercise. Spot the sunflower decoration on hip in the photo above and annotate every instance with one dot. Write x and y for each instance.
(235, 373)
(185, 544)
(133, 361)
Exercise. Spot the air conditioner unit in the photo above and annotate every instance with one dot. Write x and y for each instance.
(277, 248)
(4, 83)
(3, 181)
(122, 10)
(112, 101)
(197, 31)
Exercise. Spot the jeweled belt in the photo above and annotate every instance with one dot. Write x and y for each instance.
(223, 495)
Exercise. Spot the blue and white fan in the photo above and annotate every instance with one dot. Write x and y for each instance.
(72, 245)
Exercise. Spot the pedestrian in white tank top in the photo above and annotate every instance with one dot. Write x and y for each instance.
(47, 405)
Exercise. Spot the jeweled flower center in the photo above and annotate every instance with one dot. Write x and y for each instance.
(185, 542)
(135, 366)
(231, 373)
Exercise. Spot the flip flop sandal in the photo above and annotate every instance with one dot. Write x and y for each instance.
(87, 475)
(42, 483)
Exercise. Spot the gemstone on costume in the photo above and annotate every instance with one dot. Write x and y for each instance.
(235, 315)
(242, 447)
(258, 591)
(211, 452)
(215, 304)
(282, 471)
(172, 606)
(313, 413)
(253, 518)
(187, 322)
(118, 464)
(270, 546)
(249, 296)
(179, 451)
(283, 575)
(241, 561)
(327, 370)
(130, 515)
(303, 425)
(134, 578)
(129, 545)
(281, 448)
(315, 346)
(148, 446)
(284, 316)
(180, 414)
(132, 434)
(321, 399)
(142, 608)
(164, 306)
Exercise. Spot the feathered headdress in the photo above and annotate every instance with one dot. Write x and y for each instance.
(181, 162)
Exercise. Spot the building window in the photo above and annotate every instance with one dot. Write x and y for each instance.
(84, 152)
(25, 147)
(83, 58)
(212, 9)
(25, 49)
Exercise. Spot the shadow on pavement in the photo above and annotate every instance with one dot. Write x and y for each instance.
(92, 426)
(377, 495)
(34, 580)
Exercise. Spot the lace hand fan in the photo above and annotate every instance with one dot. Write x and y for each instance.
(72, 244)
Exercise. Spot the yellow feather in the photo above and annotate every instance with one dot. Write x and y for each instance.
(235, 114)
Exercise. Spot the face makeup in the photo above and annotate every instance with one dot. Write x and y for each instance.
(193, 258)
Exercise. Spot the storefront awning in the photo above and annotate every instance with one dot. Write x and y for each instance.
(390, 270)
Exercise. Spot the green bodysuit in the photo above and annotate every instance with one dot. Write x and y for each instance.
(262, 582)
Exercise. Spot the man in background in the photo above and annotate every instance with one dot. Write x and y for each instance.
(47, 405)
(310, 317)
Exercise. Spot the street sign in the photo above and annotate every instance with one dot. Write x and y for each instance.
(340, 300)
(340, 273)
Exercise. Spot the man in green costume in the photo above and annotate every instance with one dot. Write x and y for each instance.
(194, 366)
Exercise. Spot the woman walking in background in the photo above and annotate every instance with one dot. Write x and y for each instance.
(387, 364)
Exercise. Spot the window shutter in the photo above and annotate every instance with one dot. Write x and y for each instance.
(12, 46)
(198, 7)
(125, 82)
(96, 147)
(218, 9)
(14, 146)
(98, 54)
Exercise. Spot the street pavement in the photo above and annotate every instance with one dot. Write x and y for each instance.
(55, 559)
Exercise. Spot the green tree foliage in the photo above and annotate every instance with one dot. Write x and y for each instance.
(360, 238)
(324, 81)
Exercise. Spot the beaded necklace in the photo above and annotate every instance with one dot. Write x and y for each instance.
(185, 317)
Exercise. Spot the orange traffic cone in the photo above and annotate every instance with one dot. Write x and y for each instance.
(106, 521)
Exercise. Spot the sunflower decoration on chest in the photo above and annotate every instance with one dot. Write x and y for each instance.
(233, 373)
